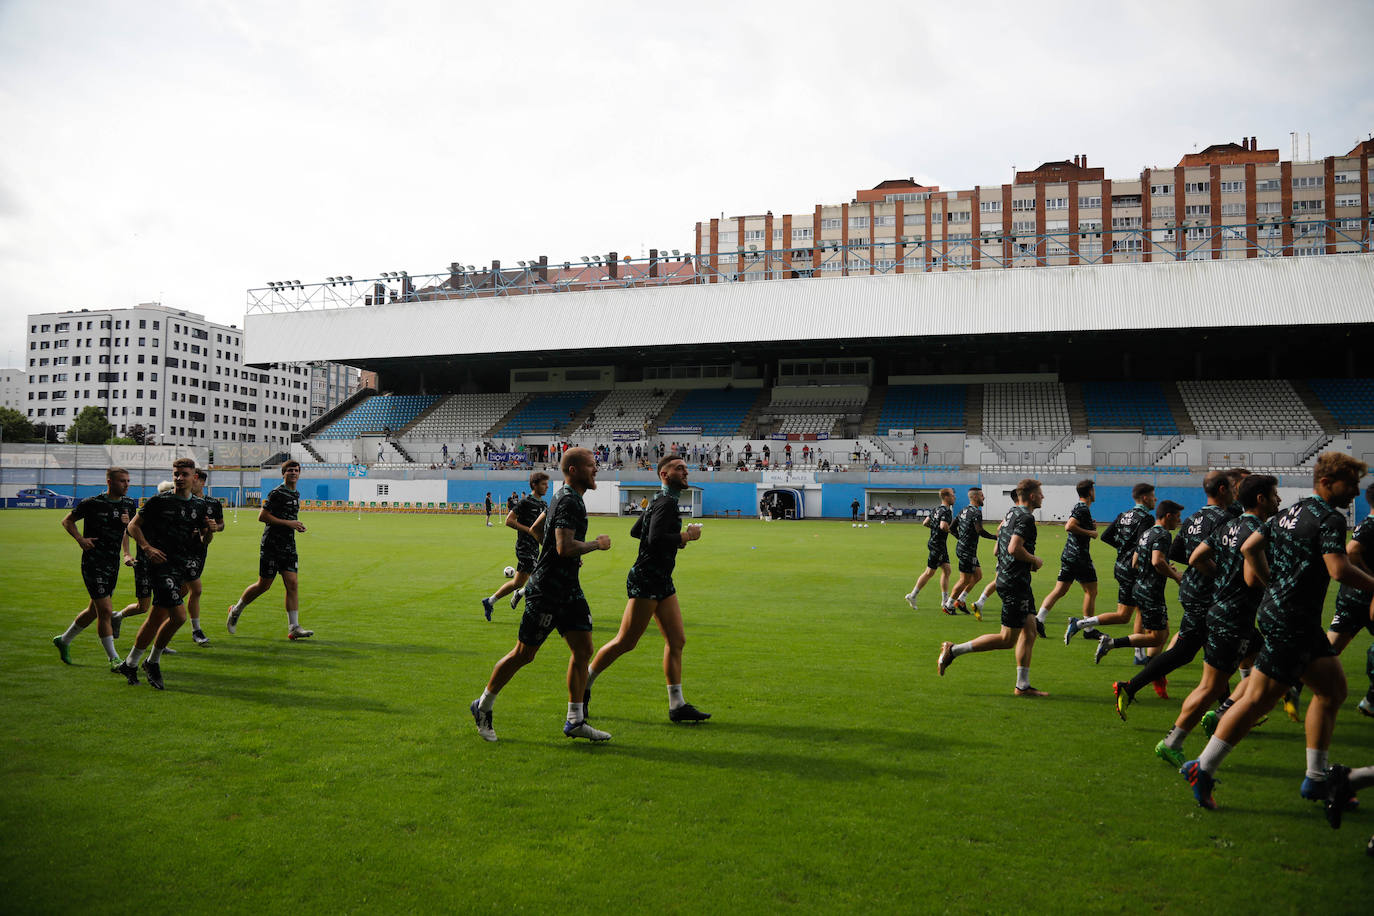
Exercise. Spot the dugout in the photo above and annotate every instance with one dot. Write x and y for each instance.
(908, 503)
(689, 504)
(782, 502)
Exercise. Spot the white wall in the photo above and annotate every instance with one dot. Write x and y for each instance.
(404, 491)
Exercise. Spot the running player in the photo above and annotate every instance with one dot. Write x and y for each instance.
(938, 522)
(1076, 560)
(1194, 594)
(554, 599)
(1307, 541)
(520, 517)
(991, 588)
(103, 536)
(1123, 533)
(1015, 564)
(168, 528)
(652, 595)
(968, 529)
(143, 584)
(1353, 605)
(214, 518)
(1229, 629)
(277, 553)
(1152, 567)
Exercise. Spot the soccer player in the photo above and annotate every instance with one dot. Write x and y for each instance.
(1194, 593)
(143, 585)
(1076, 560)
(1353, 605)
(1229, 629)
(968, 528)
(1307, 541)
(554, 599)
(277, 553)
(854, 510)
(521, 517)
(938, 522)
(1015, 563)
(652, 595)
(168, 528)
(489, 508)
(214, 517)
(1152, 567)
(103, 536)
(1123, 533)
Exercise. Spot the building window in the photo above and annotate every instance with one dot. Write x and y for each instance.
(1056, 203)
(1023, 203)
(1233, 187)
(1308, 181)
(1193, 210)
(990, 206)
(1197, 187)
(1161, 190)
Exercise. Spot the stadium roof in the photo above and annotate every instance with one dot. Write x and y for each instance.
(1332, 290)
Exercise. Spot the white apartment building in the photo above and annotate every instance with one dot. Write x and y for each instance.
(178, 375)
(13, 384)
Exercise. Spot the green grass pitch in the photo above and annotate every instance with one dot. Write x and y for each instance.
(838, 773)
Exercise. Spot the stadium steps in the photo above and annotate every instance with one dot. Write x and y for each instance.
(751, 419)
(670, 407)
(1316, 448)
(868, 422)
(1315, 406)
(1078, 413)
(424, 413)
(506, 417)
(329, 417)
(311, 449)
(581, 417)
(973, 410)
(1178, 409)
(400, 450)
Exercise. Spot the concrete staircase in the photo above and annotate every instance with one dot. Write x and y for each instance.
(505, 417)
(1078, 413)
(973, 410)
(669, 408)
(868, 421)
(311, 449)
(576, 422)
(418, 417)
(751, 419)
(1177, 408)
(1315, 407)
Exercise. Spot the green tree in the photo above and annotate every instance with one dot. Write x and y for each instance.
(15, 426)
(138, 432)
(90, 427)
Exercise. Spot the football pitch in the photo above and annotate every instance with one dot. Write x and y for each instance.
(838, 772)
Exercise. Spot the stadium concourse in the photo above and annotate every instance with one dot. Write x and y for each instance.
(876, 388)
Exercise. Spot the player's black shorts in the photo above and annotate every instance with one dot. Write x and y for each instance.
(1227, 646)
(1154, 615)
(543, 615)
(100, 574)
(939, 556)
(166, 579)
(274, 560)
(1351, 616)
(524, 562)
(1017, 602)
(195, 565)
(1194, 622)
(1077, 571)
(1286, 656)
(968, 565)
(1125, 588)
(143, 583)
(648, 584)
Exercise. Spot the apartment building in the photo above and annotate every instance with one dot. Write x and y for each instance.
(1230, 200)
(178, 375)
(13, 384)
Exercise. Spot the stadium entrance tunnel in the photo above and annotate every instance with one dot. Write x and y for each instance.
(782, 502)
(897, 504)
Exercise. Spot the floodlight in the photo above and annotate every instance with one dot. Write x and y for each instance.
(521, 263)
(584, 259)
(675, 254)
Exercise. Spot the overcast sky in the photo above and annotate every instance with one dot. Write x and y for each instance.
(183, 151)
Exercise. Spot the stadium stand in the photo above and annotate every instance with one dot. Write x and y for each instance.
(923, 407)
(1349, 400)
(377, 413)
(1025, 409)
(544, 413)
(807, 422)
(625, 408)
(1131, 405)
(1246, 406)
(717, 412)
(463, 417)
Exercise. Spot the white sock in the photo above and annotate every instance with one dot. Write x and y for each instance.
(155, 656)
(1087, 622)
(72, 631)
(944, 597)
(108, 643)
(195, 624)
(237, 607)
(492, 599)
(134, 654)
(979, 602)
(487, 700)
(1022, 678)
(575, 713)
(293, 619)
(962, 649)
(1213, 754)
(1316, 763)
(591, 676)
(1042, 614)
(675, 696)
(1362, 777)
(1175, 738)
(1244, 673)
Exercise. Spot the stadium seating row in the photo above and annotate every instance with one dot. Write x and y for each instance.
(1131, 405)
(378, 413)
(1230, 407)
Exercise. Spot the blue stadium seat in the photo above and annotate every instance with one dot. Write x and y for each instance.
(923, 407)
(717, 412)
(1134, 405)
(544, 413)
(376, 413)
(1349, 400)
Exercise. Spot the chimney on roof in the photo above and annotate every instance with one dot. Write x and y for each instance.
(1254, 143)
(543, 269)
(1084, 158)
(614, 264)
(653, 262)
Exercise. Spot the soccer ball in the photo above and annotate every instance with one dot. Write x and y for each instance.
(509, 571)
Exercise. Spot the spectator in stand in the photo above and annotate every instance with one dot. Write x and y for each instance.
(925, 453)
(915, 453)
(444, 451)
(729, 455)
(787, 450)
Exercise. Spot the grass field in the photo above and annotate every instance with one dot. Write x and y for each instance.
(838, 772)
